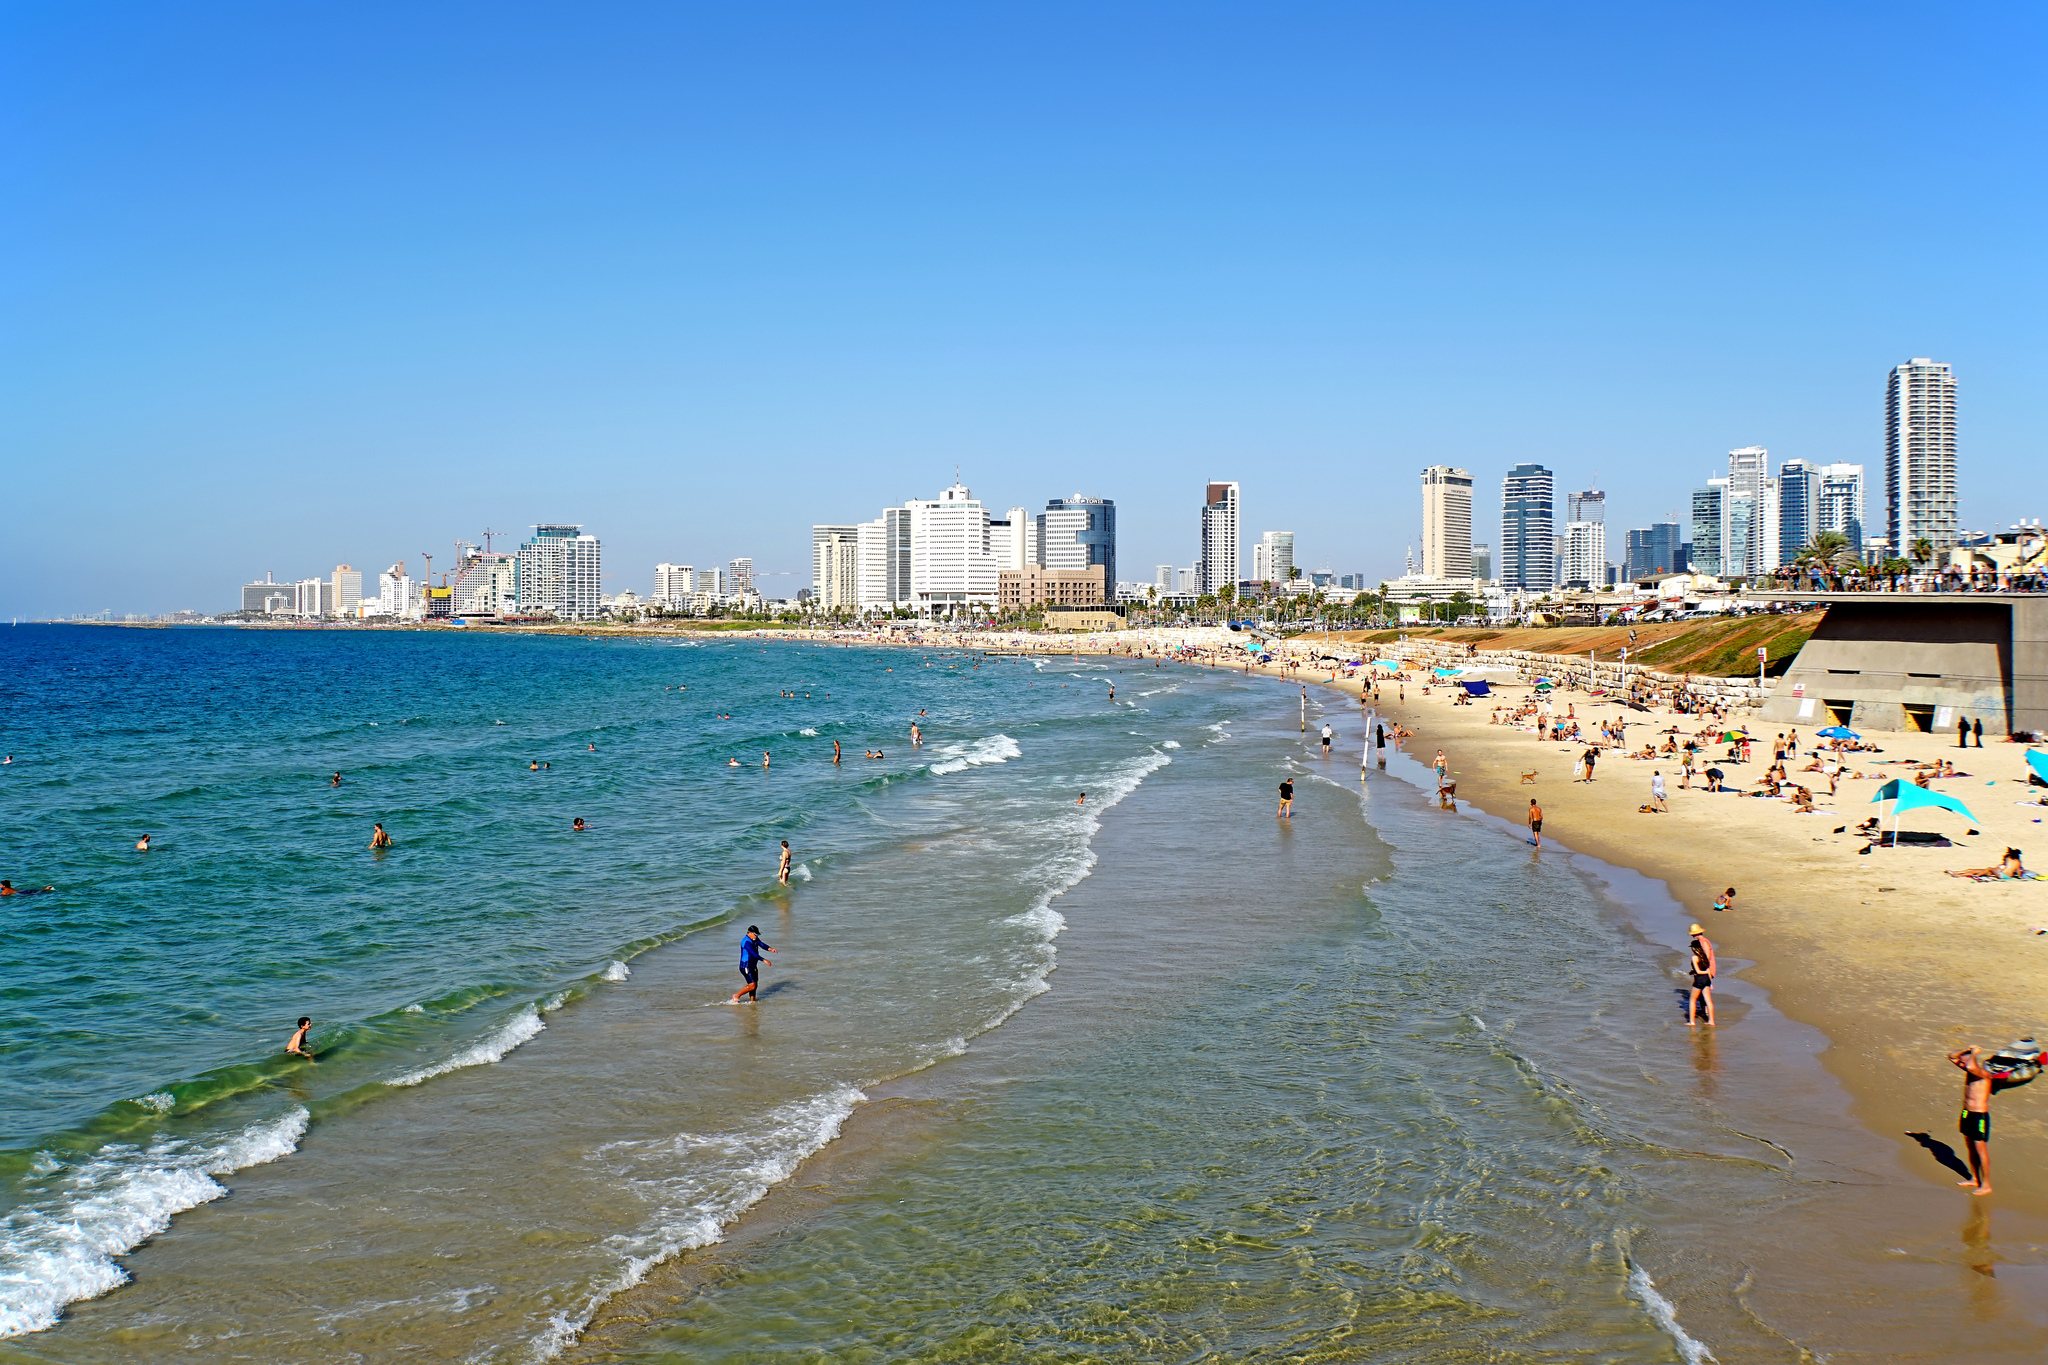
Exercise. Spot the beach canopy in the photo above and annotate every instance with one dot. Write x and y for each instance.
(1910, 797)
(1838, 732)
(2038, 761)
(1477, 689)
(1385, 663)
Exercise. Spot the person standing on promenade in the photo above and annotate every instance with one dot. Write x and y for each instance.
(782, 870)
(1703, 969)
(751, 948)
(1657, 798)
(1975, 1125)
(1287, 799)
(1535, 818)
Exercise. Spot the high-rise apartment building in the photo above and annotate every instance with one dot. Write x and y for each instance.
(675, 582)
(1798, 508)
(1588, 505)
(1738, 534)
(1217, 568)
(1528, 529)
(951, 564)
(708, 581)
(874, 564)
(1920, 456)
(270, 599)
(1655, 550)
(560, 570)
(739, 577)
(1482, 565)
(1446, 522)
(1162, 578)
(1749, 476)
(395, 593)
(1709, 515)
(1273, 557)
(347, 590)
(835, 566)
(1585, 553)
(313, 598)
(1012, 539)
(487, 584)
(1076, 533)
(1840, 502)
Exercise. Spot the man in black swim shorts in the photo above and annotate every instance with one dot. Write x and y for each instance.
(1975, 1125)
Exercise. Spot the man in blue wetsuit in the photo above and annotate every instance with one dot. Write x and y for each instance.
(751, 948)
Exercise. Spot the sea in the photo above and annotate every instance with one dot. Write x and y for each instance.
(1070, 1048)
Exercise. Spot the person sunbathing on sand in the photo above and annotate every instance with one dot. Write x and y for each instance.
(2009, 866)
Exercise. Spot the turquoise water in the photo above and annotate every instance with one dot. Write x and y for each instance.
(1379, 1084)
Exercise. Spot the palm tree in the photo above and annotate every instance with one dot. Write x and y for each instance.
(1923, 550)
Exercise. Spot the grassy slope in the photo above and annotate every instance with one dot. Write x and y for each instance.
(1714, 648)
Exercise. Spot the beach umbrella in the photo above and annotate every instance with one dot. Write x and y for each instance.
(1904, 796)
(1838, 732)
(2038, 761)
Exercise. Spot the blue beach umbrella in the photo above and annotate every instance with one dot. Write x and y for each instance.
(1904, 796)
(1838, 732)
(2038, 761)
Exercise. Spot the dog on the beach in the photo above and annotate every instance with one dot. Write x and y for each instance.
(1529, 776)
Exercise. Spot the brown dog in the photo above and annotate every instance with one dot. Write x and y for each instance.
(1529, 776)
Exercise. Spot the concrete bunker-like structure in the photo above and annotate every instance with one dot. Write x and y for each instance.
(1918, 661)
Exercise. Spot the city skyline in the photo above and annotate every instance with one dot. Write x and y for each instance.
(559, 276)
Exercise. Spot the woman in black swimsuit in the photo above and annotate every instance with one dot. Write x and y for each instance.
(1702, 978)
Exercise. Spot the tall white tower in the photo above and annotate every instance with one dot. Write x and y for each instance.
(1920, 456)
(1446, 522)
(1217, 568)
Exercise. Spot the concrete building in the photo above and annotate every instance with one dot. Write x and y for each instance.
(1528, 529)
(710, 581)
(487, 584)
(1482, 566)
(1839, 504)
(1919, 661)
(1162, 578)
(1588, 505)
(1033, 586)
(560, 571)
(269, 598)
(1585, 553)
(395, 593)
(1920, 456)
(674, 582)
(835, 567)
(950, 563)
(1446, 522)
(314, 600)
(739, 577)
(1217, 567)
(874, 564)
(1011, 538)
(1073, 533)
(1273, 557)
(1709, 518)
(1655, 551)
(345, 590)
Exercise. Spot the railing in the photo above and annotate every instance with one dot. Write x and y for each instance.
(1807, 580)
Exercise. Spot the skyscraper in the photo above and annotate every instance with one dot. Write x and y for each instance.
(1798, 508)
(1749, 475)
(1482, 564)
(1217, 568)
(1012, 538)
(487, 583)
(1076, 533)
(1655, 550)
(951, 564)
(1528, 528)
(1709, 512)
(1841, 502)
(560, 571)
(739, 577)
(1920, 456)
(1446, 522)
(1585, 553)
(675, 582)
(1738, 530)
(1273, 557)
(1590, 506)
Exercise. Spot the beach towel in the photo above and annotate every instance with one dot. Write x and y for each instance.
(1996, 877)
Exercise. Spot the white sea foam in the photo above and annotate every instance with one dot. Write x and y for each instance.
(484, 1050)
(703, 1183)
(1690, 1348)
(162, 1101)
(809, 734)
(802, 872)
(992, 749)
(414, 1009)
(63, 1250)
(618, 971)
(1171, 744)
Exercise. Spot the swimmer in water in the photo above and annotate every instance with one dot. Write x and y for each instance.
(8, 888)
(379, 839)
(297, 1045)
(579, 826)
(534, 766)
(732, 763)
(336, 782)
(782, 871)
(835, 751)
(593, 748)
(142, 845)
(764, 758)
(1082, 799)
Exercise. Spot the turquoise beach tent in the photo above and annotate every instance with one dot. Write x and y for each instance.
(2038, 761)
(1904, 796)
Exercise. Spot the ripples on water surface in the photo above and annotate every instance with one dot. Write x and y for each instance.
(1376, 1086)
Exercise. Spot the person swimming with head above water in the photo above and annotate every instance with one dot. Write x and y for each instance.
(8, 888)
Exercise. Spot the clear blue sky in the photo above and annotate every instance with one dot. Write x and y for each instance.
(283, 286)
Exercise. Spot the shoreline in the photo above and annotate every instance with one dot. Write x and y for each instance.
(1892, 961)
